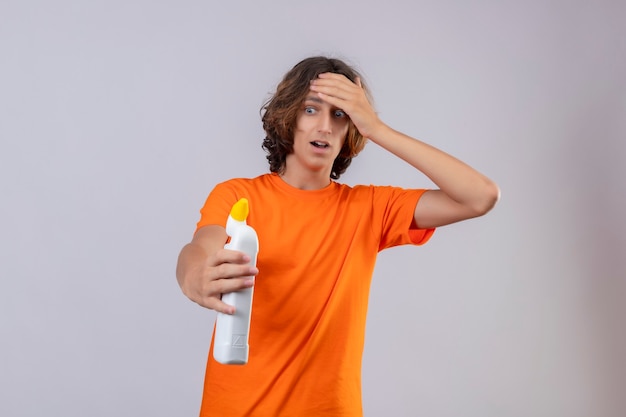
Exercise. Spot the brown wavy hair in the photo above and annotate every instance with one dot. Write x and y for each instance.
(280, 112)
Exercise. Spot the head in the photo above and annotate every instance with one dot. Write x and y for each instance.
(280, 113)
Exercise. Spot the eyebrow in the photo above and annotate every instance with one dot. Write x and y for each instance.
(319, 101)
(313, 98)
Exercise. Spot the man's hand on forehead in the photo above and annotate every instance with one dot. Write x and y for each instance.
(339, 91)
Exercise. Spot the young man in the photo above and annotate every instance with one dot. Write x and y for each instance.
(318, 244)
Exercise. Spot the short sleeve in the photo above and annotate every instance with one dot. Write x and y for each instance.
(396, 206)
(218, 205)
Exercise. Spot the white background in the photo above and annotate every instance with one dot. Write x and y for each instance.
(118, 117)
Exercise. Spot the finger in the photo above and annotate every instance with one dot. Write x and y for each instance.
(230, 271)
(334, 76)
(228, 256)
(340, 90)
(341, 83)
(216, 304)
(332, 98)
(224, 286)
(341, 80)
(326, 92)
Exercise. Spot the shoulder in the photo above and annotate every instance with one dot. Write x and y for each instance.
(363, 194)
(376, 190)
(245, 183)
(384, 195)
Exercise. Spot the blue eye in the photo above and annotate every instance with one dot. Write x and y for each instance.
(339, 113)
(309, 110)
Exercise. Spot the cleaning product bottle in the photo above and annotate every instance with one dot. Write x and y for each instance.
(230, 346)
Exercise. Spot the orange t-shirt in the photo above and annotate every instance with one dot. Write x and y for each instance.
(317, 251)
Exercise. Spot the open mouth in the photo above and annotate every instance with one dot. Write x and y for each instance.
(319, 144)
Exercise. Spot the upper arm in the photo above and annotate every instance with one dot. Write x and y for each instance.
(435, 208)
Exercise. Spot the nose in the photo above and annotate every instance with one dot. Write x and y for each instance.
(326, 123)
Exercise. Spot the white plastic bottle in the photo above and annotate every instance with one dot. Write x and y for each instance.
(230, 346)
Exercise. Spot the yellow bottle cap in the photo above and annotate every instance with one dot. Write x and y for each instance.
(240, 210)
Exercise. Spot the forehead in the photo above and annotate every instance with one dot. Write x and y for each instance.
(313, 98)
(310, 99)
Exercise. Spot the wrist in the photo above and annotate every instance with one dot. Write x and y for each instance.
(378, 132)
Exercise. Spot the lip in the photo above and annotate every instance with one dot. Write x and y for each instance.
(324, 142)
(320, 151)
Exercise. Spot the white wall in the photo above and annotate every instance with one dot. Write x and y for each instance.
(118, 117)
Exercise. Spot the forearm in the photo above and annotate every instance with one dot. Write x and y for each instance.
(457, 180)
(193, 256)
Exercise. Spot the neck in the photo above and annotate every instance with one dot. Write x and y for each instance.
(306, 180)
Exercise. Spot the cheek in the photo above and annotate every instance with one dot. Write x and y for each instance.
(345, 131)
(301, 122)
(342, 128)
(346, 134)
